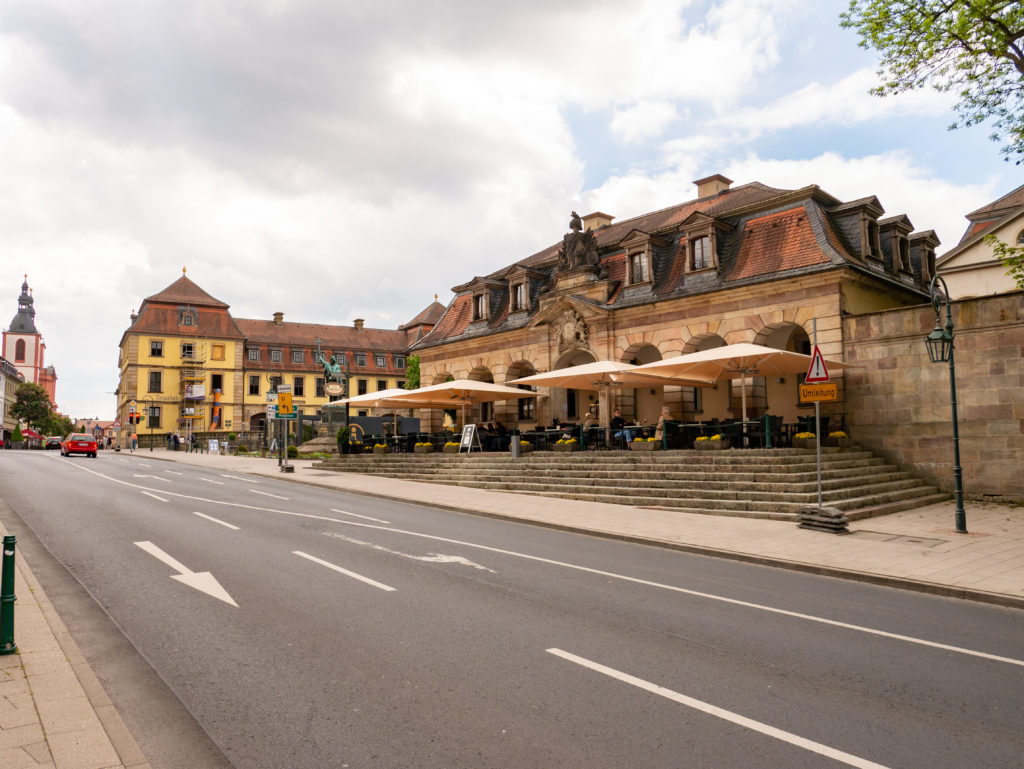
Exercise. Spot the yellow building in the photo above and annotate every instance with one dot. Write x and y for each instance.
(191, 368)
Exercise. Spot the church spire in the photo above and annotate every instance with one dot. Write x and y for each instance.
(24, 321)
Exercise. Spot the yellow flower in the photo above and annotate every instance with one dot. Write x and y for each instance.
(804, 435)
(837, 434)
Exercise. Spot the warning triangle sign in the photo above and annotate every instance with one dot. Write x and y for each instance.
(817, 371)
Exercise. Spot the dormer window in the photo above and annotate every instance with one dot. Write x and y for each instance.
(901, 248)
(638, 270)
(480, 307)
(186, 317)
(519, 297)
(872, 244)
(700, 253)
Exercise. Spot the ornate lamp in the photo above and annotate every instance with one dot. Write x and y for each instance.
(940, 350)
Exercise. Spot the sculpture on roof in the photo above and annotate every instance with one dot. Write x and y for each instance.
(579, 247)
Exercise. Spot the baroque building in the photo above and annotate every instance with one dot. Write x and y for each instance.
(746, 264)
(192, 368)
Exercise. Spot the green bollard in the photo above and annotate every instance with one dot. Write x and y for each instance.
(7, 598)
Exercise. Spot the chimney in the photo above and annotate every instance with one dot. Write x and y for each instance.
(278, 318)
(358, 323)
(134, 316)
(596, 221)
(711, 186)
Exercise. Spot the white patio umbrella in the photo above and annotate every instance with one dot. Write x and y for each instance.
(390, 398)
(602, 375)
(461, 392)
(734, 361)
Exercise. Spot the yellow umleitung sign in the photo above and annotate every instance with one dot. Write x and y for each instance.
(828, 391)
(284, 404)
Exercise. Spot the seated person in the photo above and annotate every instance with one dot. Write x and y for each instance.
(659, 431)
(618, 424)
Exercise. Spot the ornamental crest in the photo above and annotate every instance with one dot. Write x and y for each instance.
(572, 329)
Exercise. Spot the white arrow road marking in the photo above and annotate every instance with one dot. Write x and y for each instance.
(346, 572)
(202, 581)
(210, 480)
(268, 494)
(356, 515)
(211, 518)
(432, 558)
(712, 710)
(156, 477)
(236, 478)
(154, 496)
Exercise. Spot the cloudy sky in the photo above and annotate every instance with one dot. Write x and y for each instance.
(339, 160)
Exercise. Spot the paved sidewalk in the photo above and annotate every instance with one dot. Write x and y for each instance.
(53, 712)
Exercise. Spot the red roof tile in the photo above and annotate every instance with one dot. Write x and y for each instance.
(456, 319)
(184, 291)
(775, 243)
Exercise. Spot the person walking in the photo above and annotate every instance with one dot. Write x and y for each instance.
(135, 442)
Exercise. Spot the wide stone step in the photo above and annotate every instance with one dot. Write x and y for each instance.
(750, 483)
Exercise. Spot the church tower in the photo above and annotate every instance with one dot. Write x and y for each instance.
(23, 345)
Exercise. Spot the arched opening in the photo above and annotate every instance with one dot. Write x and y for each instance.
(568, 405)
(779, 395)
(19, 351)
(481, 412)
(524, 410)
(643, 403)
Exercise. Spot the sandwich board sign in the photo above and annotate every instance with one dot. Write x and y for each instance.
(817, 372)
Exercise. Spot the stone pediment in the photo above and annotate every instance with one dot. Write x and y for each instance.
(569, 320)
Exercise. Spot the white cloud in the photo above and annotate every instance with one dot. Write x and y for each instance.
(643, 120)
(846, 102)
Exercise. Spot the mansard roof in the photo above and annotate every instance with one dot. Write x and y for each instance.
(762, 234)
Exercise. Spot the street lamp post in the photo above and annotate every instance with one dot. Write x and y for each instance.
(940, 350)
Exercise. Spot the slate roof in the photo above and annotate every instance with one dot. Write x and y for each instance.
(764, 234)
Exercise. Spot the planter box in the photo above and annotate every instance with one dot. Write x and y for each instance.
(711, 445)
(645, 445)
(565, 447)
(381, 449)
(524, 448)
(843, 443)
(451, 449)
(805, 443)
(422, 449)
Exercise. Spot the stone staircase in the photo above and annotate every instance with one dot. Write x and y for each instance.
(752, 483)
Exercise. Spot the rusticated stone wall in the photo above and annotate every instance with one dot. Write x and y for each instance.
(898, 401)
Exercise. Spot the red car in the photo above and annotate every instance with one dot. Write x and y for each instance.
(78, 443)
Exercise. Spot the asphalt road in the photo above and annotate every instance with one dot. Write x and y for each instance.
(341, 631)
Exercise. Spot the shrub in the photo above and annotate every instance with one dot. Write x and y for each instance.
(293, 452)
(232, 437)
(243, 450)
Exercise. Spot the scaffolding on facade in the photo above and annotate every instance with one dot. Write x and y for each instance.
(192, 409)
